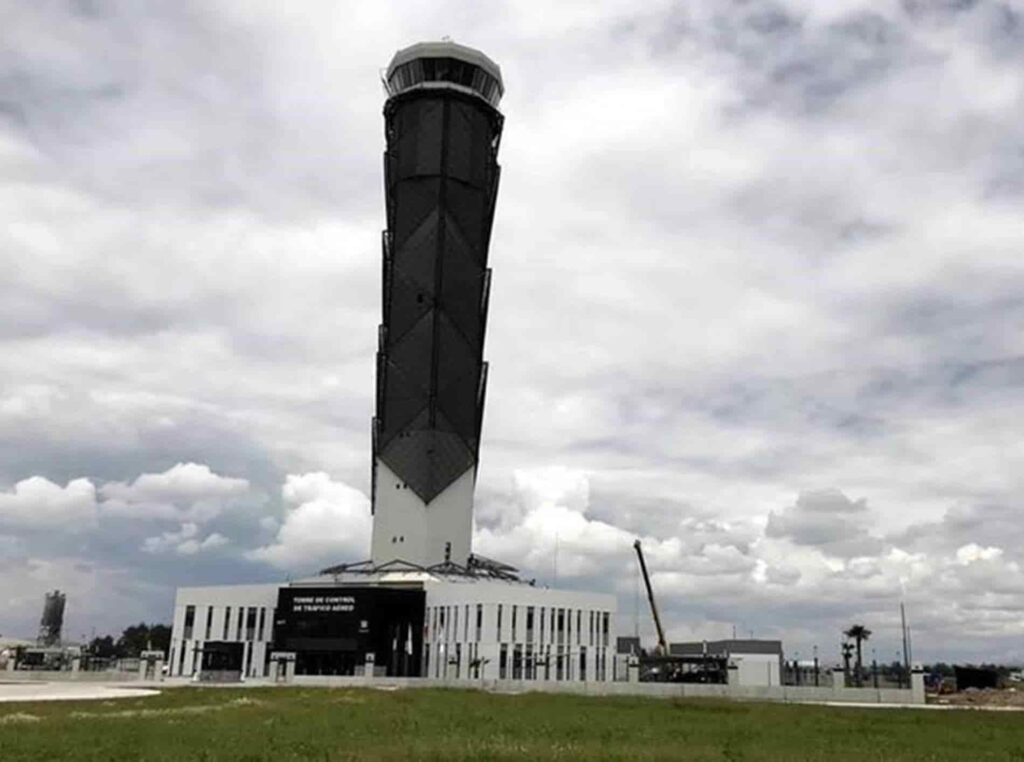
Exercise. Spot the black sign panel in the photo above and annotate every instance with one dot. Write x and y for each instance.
(333, 630)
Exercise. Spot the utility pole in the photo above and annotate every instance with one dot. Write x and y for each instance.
(636, 604)
(906, 644)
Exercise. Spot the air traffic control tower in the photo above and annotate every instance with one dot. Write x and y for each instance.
(423, 605)
(441, 173)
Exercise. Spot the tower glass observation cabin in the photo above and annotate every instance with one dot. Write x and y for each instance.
(442, 128)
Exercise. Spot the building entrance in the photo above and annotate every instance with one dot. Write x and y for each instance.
(221, 661)
(326, 663)
(338, 630)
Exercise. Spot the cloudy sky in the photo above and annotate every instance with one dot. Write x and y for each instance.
(757, 299)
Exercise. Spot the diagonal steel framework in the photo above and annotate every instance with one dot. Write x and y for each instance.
(441, 175)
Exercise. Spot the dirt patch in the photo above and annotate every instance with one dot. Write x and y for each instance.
(18, 717)
(245, 701)
(348, 699)
(1010, 697)
(169, 712)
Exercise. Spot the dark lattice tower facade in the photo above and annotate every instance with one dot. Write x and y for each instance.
(442, 127)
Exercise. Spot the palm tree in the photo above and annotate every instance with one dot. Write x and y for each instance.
(847, 649)
(858, 633)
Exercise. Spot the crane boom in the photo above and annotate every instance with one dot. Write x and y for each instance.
(662, 648)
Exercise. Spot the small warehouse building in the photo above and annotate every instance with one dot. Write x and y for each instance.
(751, 662)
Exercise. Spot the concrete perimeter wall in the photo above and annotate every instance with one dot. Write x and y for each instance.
(781, 693)
(784, 693)
(66, 676)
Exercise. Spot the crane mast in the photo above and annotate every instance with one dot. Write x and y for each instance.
(662, 648)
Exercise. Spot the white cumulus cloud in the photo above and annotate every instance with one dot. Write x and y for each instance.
(326, 522)
(185, 541)
(972, 552)
(39, 503)
(186, 490)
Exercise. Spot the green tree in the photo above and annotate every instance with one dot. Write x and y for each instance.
(133, 640)
(142, 637)
(160, 637)
(103, 647)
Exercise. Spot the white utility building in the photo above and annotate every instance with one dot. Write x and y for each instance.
(751, 662)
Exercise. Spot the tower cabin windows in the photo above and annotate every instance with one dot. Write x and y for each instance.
(445, 70)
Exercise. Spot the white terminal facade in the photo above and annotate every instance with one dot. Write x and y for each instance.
(424, 605)
(473, 628)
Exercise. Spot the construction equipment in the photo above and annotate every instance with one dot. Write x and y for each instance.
(662, 648)
(684, 667)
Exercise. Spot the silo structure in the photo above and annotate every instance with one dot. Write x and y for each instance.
(52, 622)
(442, 128)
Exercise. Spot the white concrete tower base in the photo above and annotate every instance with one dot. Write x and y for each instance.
(406, 528)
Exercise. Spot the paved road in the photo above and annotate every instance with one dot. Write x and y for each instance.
(26, 691)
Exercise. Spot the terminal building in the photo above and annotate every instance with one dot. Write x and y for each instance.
(402, 621)
(423, 604)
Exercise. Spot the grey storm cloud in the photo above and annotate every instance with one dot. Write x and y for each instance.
(756, 278)
(827, 520)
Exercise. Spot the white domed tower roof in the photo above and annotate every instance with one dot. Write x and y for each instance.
(445, 64)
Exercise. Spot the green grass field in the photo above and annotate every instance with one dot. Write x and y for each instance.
(323, 724)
